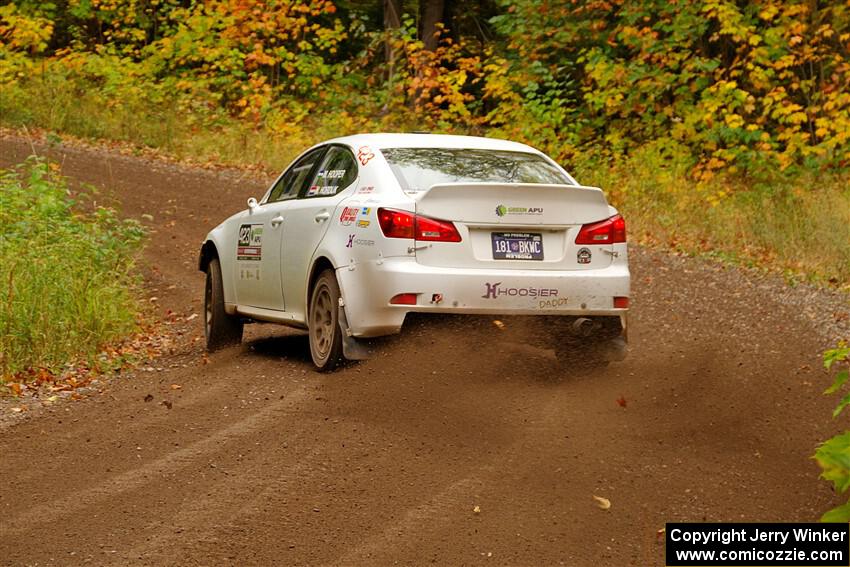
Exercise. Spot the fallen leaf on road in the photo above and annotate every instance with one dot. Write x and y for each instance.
(176, 386)
(167, 404)
(603, 503)
(192, 317)
(477, 509)
(18, 410)
(499, 324)
(149, 398)
(622, 401)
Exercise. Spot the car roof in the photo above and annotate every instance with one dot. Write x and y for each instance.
(385, 140)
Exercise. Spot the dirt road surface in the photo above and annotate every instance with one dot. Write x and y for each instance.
(262, 461)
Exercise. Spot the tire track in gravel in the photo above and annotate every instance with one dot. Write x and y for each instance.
(188, 400)
(195, 520)
(137, 477)
(415, 522)
(430, 514)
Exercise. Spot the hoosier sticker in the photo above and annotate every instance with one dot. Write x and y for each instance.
(250, 244)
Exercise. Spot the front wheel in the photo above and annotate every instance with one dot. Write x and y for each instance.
(220, 329)
(323, 323)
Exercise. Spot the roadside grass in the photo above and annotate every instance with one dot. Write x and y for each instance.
(88, 114)
(797, 223)
(186, 130)
(67, 278)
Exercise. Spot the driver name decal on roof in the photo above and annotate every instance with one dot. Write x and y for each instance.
(250, 243)
(322, 190)
(365, 154)
(332, 173)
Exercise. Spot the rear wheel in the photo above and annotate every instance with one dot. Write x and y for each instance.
(220, 329)
(323, 322)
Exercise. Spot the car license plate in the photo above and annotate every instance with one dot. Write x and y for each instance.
(517, 246)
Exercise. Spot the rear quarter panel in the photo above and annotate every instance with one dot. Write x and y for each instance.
(354, 240)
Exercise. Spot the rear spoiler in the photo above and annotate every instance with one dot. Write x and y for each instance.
(505, 202)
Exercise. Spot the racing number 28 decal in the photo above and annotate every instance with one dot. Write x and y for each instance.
(250, 244)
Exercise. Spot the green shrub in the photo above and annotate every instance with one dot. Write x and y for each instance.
(66, 272)
(833, 455)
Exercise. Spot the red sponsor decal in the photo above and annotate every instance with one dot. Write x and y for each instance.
(249, 253)
(364, 154)
(348, 216)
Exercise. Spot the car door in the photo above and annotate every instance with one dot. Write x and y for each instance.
(258, 253)
(308, 220)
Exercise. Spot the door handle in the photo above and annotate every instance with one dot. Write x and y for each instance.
(322, 217)
(276, 221)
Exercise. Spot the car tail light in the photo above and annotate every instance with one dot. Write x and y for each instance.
(436, 230)
(403, 299)
(621, 303)
(609, 231)
(404, 224)
(396, 224)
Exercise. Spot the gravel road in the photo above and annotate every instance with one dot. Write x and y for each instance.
(449, 448)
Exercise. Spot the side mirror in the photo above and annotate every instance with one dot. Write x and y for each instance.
(252, 204)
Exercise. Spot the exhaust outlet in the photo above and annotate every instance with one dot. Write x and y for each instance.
(583, 327)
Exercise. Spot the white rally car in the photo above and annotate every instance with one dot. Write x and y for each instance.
(360, 231)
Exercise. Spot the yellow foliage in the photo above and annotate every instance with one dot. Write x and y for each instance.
(20, 32)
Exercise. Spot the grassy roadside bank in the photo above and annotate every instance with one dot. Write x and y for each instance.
(796, 224)
(67, 271)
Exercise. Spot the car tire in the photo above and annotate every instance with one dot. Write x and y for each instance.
(323, 323)
(220, 329)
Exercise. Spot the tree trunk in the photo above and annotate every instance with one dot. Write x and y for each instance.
(431, 13)
(392, 22)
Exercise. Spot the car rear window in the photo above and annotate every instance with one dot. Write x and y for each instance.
(417, 169)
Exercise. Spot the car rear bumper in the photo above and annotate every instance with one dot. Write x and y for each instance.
(367, 290)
